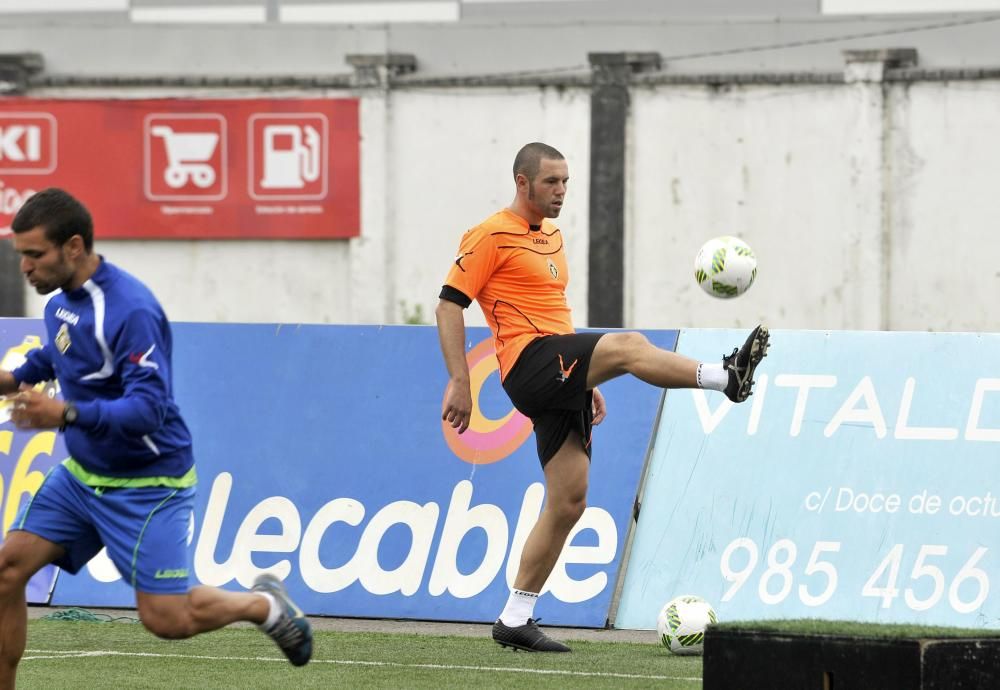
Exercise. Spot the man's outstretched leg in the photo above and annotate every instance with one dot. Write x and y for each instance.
(566, 499)
(202, 609)
(631, 353)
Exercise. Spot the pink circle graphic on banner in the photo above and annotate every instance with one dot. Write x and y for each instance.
(486, 440)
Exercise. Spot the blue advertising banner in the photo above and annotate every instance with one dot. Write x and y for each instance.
(859, 482)
(25, 456)
(322, 458)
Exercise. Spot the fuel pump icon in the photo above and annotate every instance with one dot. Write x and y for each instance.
(291, 156)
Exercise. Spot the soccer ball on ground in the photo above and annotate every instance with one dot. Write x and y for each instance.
(682, 622)
(725, 267)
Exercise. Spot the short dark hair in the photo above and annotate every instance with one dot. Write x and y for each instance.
(529, 159)
(61, 214)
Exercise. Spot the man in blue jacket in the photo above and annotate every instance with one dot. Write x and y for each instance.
(129, 482)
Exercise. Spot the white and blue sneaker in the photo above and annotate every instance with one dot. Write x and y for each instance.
(291, 632)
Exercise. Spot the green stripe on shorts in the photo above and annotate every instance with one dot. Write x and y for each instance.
(189, 479)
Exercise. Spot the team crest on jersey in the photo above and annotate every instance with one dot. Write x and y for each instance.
(553, 269)
(62, 338)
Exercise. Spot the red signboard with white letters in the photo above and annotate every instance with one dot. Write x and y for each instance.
(189, 169)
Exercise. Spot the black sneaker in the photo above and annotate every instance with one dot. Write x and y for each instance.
(527, 637)
(742, 363)
(292, 632)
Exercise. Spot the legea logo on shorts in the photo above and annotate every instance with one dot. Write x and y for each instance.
(486, 440)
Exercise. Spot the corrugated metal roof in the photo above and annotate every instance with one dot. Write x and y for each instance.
(484, 38)
(478, 11)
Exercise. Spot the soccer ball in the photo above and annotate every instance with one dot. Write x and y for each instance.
(725, 267)
(682, 622)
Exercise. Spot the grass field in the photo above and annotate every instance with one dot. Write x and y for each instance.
(65, 654)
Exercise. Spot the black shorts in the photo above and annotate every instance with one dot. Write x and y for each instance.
(548, 384)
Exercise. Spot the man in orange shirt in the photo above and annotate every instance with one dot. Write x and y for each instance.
(513, 265)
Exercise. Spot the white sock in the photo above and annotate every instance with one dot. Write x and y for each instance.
(712, 376)
(273, 612)
(520, 607)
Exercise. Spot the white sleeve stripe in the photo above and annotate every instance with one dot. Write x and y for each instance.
(97, 297)
(144, 361)
(149, 442)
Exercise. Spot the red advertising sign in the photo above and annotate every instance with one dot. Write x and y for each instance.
(189, 169)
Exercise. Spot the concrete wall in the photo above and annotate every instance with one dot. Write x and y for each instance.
(736, 35)
(870, 206)
(943, 206)
(791, 169)
(867, 208)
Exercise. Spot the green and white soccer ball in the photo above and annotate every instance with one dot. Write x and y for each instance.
(725, 267)
(682, 622)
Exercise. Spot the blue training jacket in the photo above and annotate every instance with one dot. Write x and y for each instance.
(110, 349)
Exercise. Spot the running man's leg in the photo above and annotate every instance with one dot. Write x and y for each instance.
(22, 554)
(146, 532)
(202, 609)
(50, 528)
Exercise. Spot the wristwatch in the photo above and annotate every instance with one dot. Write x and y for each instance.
(69, 415)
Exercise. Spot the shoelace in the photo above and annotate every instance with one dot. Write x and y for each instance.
(533, 624)
(733, 359)
(287, 634)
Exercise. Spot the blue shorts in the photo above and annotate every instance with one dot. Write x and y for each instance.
(145, 529)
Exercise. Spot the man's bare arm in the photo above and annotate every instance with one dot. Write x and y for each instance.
(457, 407)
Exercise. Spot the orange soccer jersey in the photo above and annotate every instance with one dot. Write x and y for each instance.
(518, 276)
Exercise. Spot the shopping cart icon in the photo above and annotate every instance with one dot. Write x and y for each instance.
(188, 154)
